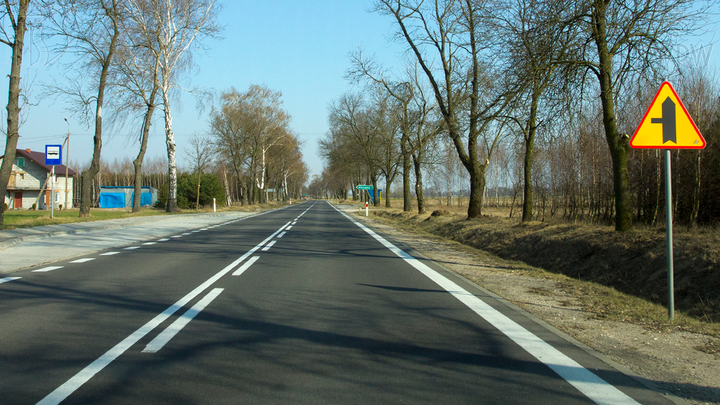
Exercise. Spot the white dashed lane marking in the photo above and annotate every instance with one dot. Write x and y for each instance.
(87, 259)
(245, 266)
(8, 279)
(46, 269)
(132, 247)
(172, 330)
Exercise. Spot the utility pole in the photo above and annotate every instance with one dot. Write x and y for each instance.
(67, 160)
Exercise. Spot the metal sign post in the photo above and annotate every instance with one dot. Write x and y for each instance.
(677, 130)
(53, 156)
(669, 236)
(52, 193)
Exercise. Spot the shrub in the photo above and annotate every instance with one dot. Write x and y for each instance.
(162, 197)
(210, 187)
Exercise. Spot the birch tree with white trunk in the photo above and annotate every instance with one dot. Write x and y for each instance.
(175, 29)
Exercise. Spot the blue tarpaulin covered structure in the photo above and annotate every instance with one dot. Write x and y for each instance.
(122, 197)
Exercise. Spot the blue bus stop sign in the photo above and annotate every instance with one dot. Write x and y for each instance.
(53, 155)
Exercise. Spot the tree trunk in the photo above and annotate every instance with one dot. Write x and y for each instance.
(226, 185)
(407, 198)
(197, 197)
(619, 147)
(373, 180)
(529, 157)
(13, 105)
(477, 186)
(419, 185)
(696, 192)
(172, 165)
(86, 198)
(137, 163)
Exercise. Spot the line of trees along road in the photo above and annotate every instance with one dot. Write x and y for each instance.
(124, 60)
(251, 133)
(541, 94)
(125, 56)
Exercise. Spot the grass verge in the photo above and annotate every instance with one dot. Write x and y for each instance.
(28, 218)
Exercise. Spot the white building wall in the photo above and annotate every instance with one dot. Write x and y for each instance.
(31, 177)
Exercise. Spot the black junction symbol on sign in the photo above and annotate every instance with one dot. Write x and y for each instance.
(668, 121)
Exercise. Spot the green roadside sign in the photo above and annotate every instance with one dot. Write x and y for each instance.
(364, 187)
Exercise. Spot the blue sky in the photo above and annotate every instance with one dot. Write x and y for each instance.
(297, 47)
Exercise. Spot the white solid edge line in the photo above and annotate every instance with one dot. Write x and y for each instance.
(46, 269)
(63, 391)
(172, 330)
(592, 386)
(9, 279)
(245, 266)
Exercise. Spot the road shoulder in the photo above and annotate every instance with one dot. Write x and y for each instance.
(33, 247)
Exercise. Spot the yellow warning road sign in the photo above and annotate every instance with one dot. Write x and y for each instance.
(667, 124)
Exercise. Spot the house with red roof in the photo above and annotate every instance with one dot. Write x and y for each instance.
(30, 182)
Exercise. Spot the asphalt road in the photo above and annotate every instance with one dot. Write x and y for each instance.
(299, 305)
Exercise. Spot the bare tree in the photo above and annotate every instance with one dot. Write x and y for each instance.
(624, 40)
(536, 37)
(175, 29)
(366, 68)
(16, 16)
(200, 154)
(137, 80)
(246, 127)
(353, 127)
(464, 85)
(90, 30)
